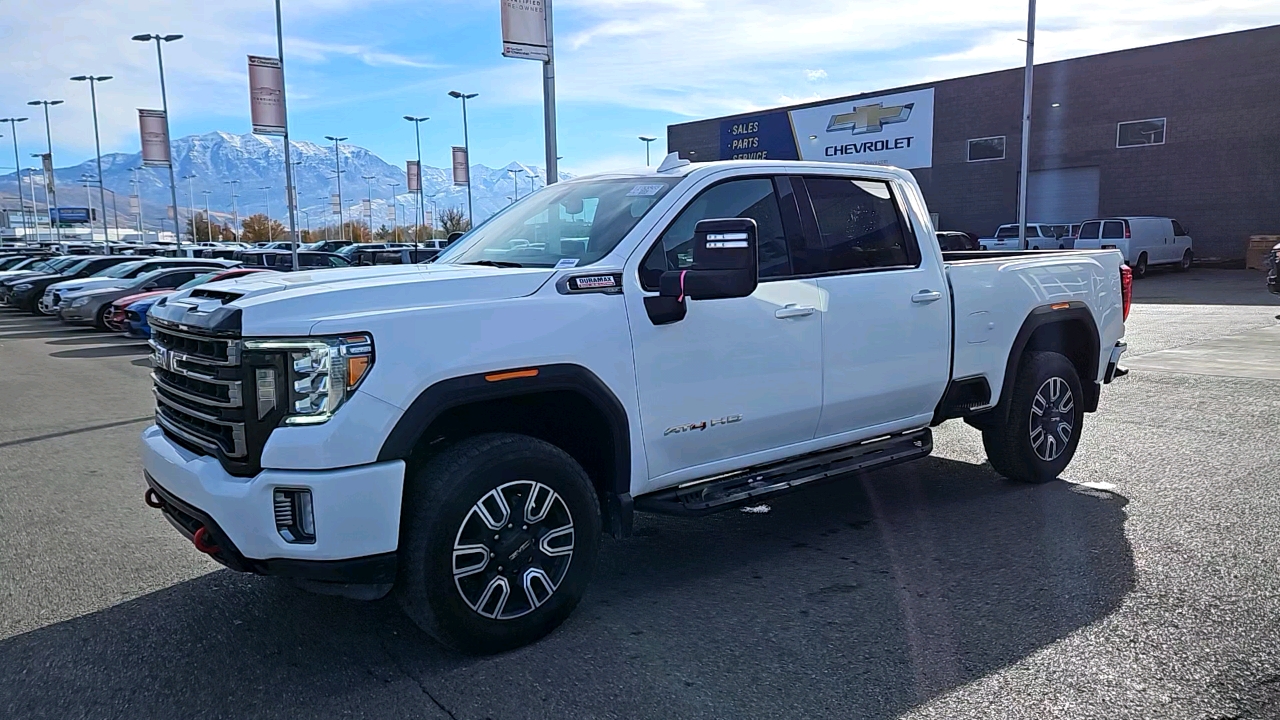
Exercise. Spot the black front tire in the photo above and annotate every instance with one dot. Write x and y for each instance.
(1187, 259)
(440, 514)
(1044, 416)
(1140, 267)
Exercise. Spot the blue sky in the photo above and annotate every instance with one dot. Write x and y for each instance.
(626, 67)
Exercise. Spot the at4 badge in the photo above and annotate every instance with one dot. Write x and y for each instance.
(703, 425)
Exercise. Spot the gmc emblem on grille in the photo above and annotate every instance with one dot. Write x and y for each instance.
(161, 359)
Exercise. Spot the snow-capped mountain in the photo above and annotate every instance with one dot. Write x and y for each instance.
(210, 162)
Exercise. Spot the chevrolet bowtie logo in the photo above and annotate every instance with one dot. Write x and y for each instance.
(869, 118)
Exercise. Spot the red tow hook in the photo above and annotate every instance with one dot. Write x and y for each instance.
(201, 540)
(153, 499)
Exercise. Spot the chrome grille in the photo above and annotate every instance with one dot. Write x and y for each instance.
(199, 393)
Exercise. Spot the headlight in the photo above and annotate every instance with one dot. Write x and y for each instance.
(22, 288)
(323, 373)
(79, 302)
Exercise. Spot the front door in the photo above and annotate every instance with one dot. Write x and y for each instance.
(735, 377)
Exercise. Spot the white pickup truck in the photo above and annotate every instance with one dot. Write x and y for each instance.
(679, 340)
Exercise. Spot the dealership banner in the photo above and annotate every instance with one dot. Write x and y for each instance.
(154, 127)
(414, 171)
(461, 171)
(135, 205)
(524, 29)
(266, 95)
(883, 130)
(335, 204)
(46, 164)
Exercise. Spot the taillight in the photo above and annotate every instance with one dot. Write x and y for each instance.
(1126, 287)
(1127, 236)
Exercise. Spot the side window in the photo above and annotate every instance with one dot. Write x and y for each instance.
(1090, 231)
(860, 225)
(752, 198)
(1112, 230)
(1177, 229)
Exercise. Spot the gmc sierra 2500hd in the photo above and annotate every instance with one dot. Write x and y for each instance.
(679, 340)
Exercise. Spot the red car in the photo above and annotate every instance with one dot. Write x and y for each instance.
(115, 317)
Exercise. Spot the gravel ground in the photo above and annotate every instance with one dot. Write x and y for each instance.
(1143, 585)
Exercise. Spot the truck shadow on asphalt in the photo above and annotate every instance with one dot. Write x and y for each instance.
(859, 599)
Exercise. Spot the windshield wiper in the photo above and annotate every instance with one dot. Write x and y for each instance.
(495, 263)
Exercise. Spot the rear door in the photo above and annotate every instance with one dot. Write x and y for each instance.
(1113, 236)
(886, 318)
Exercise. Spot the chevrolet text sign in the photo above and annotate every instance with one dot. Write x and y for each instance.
(886, 130)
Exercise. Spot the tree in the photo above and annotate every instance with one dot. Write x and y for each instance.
(453, 220)
(384, 233)
(257, 228)
(199, 227)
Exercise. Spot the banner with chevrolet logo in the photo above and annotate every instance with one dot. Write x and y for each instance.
(885, 130)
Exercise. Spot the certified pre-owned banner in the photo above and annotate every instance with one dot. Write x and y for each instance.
(415, 175)
(155, 137)
(461, 172)
(886, 130)
(524, 29)
(266, 95)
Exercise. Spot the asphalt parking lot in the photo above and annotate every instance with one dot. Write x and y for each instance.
(1145, 584)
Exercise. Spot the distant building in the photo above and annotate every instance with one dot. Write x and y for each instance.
(1188, 129)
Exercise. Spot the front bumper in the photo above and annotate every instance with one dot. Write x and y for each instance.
(357, 514)
(83, 314)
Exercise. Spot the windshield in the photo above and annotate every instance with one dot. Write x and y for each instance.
(313, 246)
(119, 271)
(197, 280)
(52, 266)
(24, 264)
(77, 267)
(11, 262)
(565, 225)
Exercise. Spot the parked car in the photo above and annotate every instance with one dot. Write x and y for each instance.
(92, 306)
(114, 276)
(282, 260)
(950, 240)
(391, 256)
(461, 432)
(25, 293)
(37, 266)
(327, 245)
(1273, 273)
(116, 317)
(1145, 241)
(352, 249)
(1040, 236)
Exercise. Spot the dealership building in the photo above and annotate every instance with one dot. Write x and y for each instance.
(1189, 130)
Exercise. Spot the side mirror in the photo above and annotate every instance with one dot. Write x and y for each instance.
(725, 265)
(151, 285)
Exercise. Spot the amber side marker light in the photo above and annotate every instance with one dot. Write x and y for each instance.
(1059, 306)
(514, 374)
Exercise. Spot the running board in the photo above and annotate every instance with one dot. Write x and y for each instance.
(721, 492)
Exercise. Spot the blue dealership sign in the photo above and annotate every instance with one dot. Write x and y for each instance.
(71, 216)
(758, 137)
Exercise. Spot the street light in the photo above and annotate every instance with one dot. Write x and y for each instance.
(235, 209)
(35, 207)
(97, 145)
(164, 103)
(417, 133)
(267, 190)
(208, 219)
(369, 189)
(137, 192)
(337, 164)
(191, 204)
(17, 165)
(48, 135)
(647, 141)
(395, 208)
(515, 180)
(466, 143)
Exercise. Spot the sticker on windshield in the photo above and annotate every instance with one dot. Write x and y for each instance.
(567, 263)
(646, 190)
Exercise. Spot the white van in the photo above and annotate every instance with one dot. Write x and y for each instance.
(1145, 241)
(1040, 236)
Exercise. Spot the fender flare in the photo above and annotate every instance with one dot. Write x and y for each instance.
(468, 389)
(1048, 315)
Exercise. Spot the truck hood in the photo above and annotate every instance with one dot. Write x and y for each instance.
(290, 304)
(70, 286)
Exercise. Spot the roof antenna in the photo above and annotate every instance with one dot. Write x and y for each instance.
(671, 162)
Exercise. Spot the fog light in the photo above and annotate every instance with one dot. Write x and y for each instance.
(295, 519)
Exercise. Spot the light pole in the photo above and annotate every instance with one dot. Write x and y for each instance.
(137, 193)
(1026, 125)
(191, 205)
(328, 234)
(466, 143)
(17, 168)
(35, 208)
(266, 189)
(289, 197)
(208, 219)
(97, 145)
(369, 194)
(647, 142)
(307, 215)
(515, 180)
(234, 208)
(164, 104)
(337, 165)
(395, 209)
(50, 186)
(417, 135)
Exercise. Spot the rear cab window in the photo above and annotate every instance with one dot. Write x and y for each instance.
(860, 225)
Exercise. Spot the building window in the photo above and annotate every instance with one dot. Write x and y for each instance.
(1140, 132)
(988, 148)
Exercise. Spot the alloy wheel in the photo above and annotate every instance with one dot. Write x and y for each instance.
(513, 550)
(1052, 419)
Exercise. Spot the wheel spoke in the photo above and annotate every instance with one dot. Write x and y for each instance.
(469, 560)
(493, 509)
(537, 586)
(494, 598)
(540, 501)
(557, 542)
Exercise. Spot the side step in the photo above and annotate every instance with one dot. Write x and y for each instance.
(709, 495)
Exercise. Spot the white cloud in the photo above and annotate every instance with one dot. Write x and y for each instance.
(815, 75)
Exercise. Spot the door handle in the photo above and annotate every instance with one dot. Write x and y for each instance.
(926, 296)
(794, 311)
